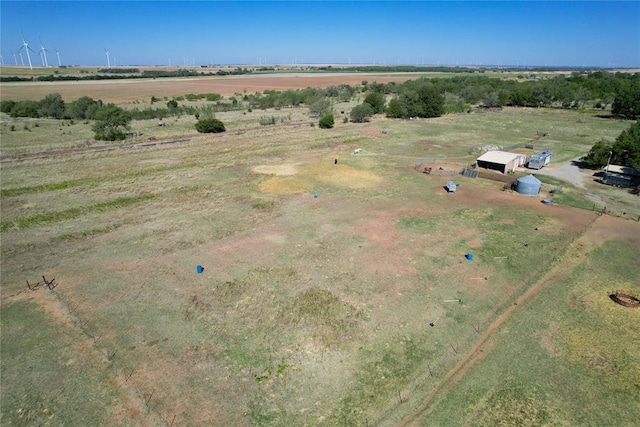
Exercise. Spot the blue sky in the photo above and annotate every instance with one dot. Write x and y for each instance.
(558, 33)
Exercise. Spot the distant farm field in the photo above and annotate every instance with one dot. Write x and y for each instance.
(336, 288)
(120, 91)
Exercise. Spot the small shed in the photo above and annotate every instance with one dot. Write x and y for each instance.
(528, 185)
(539, 160)
(502, 161)
(621, 176)
(450, 186)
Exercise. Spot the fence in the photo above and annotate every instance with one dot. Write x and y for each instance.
(121, 368)
(633, 216)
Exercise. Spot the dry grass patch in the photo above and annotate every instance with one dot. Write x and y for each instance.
(341, 175)
(286, 185)
(610, 349)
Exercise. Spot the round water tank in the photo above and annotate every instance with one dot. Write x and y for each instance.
(528, 185)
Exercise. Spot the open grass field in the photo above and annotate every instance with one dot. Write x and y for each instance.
(311, 310)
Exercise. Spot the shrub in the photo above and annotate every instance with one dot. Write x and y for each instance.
(361, 113)
(111, 120)
(210, 126)
(376, 100)
(319, 106)
(266, 121)
(213, 97)
(327, 121)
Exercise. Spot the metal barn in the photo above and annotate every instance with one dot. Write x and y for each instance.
(502, 161)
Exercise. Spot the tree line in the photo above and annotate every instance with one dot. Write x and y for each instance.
(422, 97)
(126, 73)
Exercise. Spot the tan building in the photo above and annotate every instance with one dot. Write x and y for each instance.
(502, 161)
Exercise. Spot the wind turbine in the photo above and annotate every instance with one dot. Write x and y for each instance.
(26, 47)
(58, 54)
(108, 60)
(21, 59)
(15, 58)
(43, 54)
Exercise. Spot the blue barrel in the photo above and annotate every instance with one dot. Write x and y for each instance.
(199, 269)
(315, 195)
(469, 256)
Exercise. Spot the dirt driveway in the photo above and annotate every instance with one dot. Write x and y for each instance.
(568, 171)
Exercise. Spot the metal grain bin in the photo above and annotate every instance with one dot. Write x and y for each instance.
(528, 185)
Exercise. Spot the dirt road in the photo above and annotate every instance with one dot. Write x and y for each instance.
(483, 345)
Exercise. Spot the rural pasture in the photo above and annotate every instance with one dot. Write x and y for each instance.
(320, 279)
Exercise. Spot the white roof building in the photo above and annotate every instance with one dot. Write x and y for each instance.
(501, 160)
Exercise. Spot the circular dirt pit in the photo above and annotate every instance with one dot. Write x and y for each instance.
(625, 299)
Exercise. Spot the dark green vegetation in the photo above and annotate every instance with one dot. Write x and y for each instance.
(210, 125)
(624, 151)
(327, 121)
(110, 123)
(361, 113)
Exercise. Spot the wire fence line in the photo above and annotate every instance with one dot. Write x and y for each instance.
(118, 365)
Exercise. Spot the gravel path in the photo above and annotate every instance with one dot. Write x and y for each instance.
(568, 171)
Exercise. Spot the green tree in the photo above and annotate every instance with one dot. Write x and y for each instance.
(210, 125)
(52, 106)
(420, 98)
(7, 106)
(491, 100)
(627, 101)
(345, 92)
(626, 148)
(598, 156)
(327, 121)
(84, 108)
(432, 100)
(376, 100)
(580, 97)
(624, 151)
(111, 121)
(361, 113)
(394, 109)
(25, 108)
(319, 107)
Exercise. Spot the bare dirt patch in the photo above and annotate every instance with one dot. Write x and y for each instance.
(388, 253)
(547, 339)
